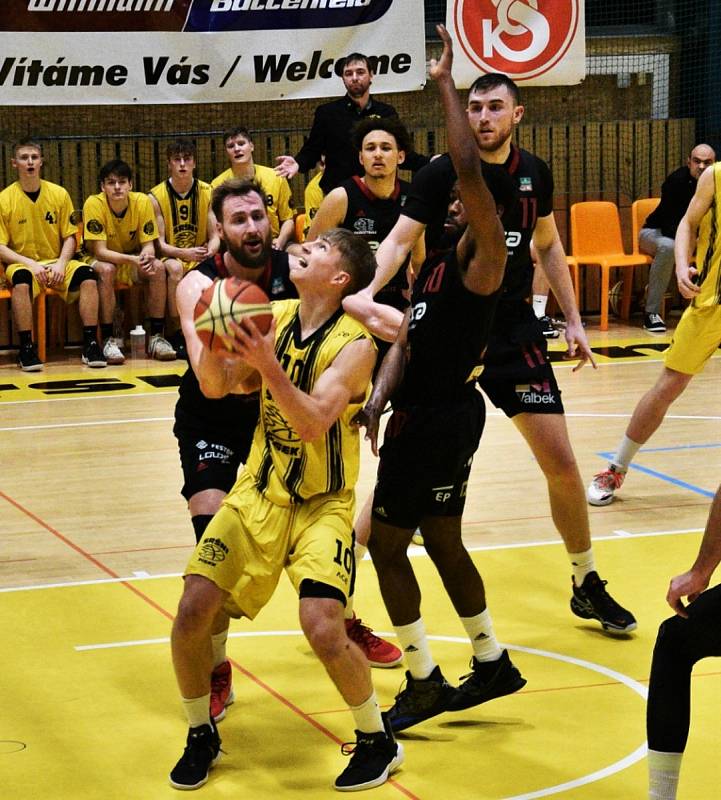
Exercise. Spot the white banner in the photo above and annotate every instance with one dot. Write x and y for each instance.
(95, 52)
(535, 42)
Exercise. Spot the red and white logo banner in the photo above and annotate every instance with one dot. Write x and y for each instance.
(535, 42)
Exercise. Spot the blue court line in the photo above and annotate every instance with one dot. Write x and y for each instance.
(662, 475)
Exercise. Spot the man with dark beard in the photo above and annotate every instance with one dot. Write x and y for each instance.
(214, 436)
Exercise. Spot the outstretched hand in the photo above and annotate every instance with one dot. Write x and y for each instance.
(441, 69)
(369, 418)
(689, 585)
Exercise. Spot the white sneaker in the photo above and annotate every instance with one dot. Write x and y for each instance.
(602, 488)
(112, 352)
(160, 348)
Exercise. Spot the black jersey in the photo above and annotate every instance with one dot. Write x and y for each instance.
(373, 218)
(447, 335)
(193, 405)
(430, 194)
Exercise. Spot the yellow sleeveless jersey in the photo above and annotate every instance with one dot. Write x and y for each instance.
(36, 229)
(123, 234)
(277, 194)
(708, 249)
(312, 199)
(285, 469)
(186, 218)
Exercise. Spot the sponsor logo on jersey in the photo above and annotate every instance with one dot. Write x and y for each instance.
(212, 551)
(149, 228)
(525, 184)
(535, 394)
(522, 38)
(94, 226)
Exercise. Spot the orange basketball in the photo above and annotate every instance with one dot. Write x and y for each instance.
(230, 300)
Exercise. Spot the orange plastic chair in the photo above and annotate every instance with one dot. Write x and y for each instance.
(596, 241)
(640, 209)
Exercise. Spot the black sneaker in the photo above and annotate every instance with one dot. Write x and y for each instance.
(28, 360)
(420, 700)
(201, 752)
(653, 323)
(374, 756)
(550, 331)
(488, 679)
(93, 355)
(592, 601)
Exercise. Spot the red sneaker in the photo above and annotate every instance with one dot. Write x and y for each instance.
(221, 690)
(379, 652)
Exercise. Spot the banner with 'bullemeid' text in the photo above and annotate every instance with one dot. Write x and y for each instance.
(58, 52)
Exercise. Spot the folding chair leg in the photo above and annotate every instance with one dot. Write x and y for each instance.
(604, 297)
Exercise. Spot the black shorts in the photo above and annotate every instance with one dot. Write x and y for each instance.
(425, 461)
(517, 375)
(211, 456)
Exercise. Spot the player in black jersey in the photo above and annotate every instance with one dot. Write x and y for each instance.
(214, 436)
(438, 417)
(518, 377)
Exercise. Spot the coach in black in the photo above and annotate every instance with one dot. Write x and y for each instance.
(518, 377)
(332, 126)
(437, 421)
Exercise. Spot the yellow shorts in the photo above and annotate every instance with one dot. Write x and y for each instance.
(695, 340)
(70, 269)
(250, 541)
(187, 265)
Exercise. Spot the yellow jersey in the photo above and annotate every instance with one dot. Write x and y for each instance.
(36, 229)
(277, 194)
(285, 469)
(186, 218)
(312, 198)
(708, 249)
(126, 233)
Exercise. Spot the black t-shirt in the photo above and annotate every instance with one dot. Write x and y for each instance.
(676, 193)
(447, 335)
(373, 218)
(193, 407)
(430, 194)
(331, 135)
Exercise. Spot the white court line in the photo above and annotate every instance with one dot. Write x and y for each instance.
(583, 780)
(85, 424)
(170, 419)
(108, 396)
(413, 551)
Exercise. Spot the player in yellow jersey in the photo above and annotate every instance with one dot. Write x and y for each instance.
(119, 242)
(239, 147)
(313, 196)
(696, 338)
(187, 232)
(292, 506)
(37, 243)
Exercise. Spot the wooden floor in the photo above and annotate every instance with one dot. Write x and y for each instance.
(93, 534)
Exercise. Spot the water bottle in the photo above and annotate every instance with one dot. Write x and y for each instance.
(137, 342)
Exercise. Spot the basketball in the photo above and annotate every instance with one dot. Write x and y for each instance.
(230, 300)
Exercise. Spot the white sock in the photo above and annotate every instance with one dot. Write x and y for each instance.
(367, 715)
(582, 564)
(663, 772)
(539, 305)
(219, 640)
(625, 453)
(413, 642)
(483, 640)
(197, 710)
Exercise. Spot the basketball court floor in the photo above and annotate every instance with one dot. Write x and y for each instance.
(94, 534)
